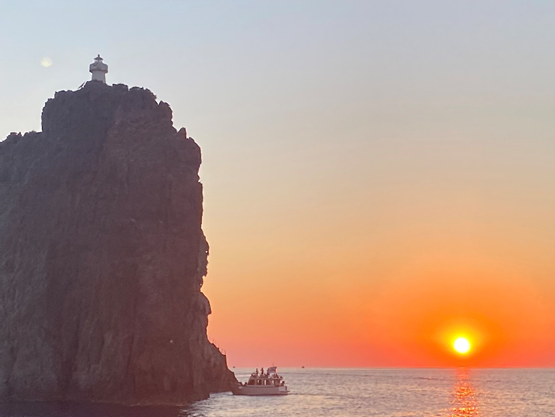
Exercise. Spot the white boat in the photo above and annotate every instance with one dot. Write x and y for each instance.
(263, 383)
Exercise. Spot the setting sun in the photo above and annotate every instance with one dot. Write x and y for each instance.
(461, 345)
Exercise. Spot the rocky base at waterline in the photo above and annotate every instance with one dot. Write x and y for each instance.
(102, 256)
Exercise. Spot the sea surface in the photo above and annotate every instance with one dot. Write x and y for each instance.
(357, 392)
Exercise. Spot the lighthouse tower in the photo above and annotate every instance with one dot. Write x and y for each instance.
(98, 70)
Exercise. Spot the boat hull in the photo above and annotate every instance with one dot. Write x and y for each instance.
(260, 390)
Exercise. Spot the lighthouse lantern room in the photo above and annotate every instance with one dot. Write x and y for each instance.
(98, 70)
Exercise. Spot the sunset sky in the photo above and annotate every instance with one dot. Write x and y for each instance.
(379, 175)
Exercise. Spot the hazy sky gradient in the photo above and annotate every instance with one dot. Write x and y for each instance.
(379, 175)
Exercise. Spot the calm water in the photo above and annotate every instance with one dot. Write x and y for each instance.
(359, 392)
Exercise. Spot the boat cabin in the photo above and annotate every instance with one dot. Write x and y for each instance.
(274, 380)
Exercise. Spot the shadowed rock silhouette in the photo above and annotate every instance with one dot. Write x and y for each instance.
(102, 256)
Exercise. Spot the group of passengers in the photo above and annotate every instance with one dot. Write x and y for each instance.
(263, 374)
(276, 379)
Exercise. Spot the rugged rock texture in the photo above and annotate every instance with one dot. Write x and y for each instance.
(102, 256)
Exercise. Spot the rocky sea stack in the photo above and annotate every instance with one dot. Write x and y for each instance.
(102, 256)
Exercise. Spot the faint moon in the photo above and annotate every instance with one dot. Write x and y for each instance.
(46, 62)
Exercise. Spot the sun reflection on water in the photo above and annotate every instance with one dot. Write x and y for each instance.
(464, 402)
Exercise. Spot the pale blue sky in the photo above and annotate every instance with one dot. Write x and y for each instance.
(312, 101)
(340, 126)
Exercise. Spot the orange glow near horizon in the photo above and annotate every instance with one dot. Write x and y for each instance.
(407, 323)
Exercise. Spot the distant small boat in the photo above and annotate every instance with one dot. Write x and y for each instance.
(263, 383)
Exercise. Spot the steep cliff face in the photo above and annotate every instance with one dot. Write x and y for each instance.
(102, 256)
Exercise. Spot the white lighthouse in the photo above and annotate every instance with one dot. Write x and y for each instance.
(98, 70)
